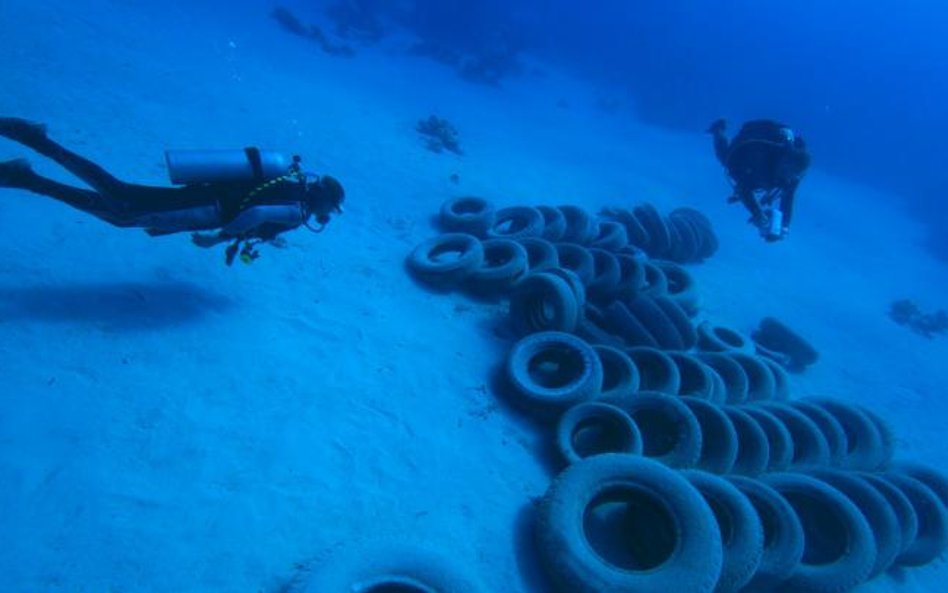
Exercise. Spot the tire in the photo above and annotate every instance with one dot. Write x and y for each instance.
(695, 376)
(388, 566)
(760, 381)
(505, 262)
(783, 533)
(707, 239)
(681, 286)
(610, 235)
(653, 319)
(731, 373)
(685, 245)
(929, 476)
(779, 441)
(670, 432)
(624, 324)
(577, 259)
(810, 449)
(593, 332)
(580, 225)
(901, 505)
(554, 226)
(631, 276)
(679, 318)
(864, 447)
(575, 284)
(781, 380)
(656, 284)
(839, 548)
(657, 371)
(595, 428)
(620, 376)
(649, 505)
(718, 436)
(880, 515)
(742, 535)
(467, 214)
(829, 426)
(543, 302)
(655, 226)
(775, 335)
(541, 254)
(716, 338)
(931, 539)
(551, 371)
(606, 275)
(428, 264)
(753, 448)
(516, 222)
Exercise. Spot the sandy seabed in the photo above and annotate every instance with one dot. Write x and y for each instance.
(171, 424)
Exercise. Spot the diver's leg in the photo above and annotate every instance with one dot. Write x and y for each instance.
(33, 135)
(18, 174)
(750, 202)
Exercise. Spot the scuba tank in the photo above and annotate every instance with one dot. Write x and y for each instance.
(206, 166)
(776, 222)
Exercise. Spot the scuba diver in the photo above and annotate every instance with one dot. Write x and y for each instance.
(245, 197)
(765, 162)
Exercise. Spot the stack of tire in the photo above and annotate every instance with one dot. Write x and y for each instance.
(796, 495)
(486, 251)
(684, 236)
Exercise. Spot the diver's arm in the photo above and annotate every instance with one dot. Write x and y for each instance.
(259, 221)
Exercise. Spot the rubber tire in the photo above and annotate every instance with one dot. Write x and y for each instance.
(424, 264)
(742, 535)
(679, 318)
(781, 380)
(829, 426)
(580, 225)
(631, 276)
(653, 319)
(575, 565)
(779, 441)
(718, 436)
(810, 448)
(931, 539)
(760, 381)
(516, 222)
(708, 245)
(929, 476)
(696, 377)
(657, 371)
(543, 302)
(606, 275)
(753, 448)
(616, 432)
(575, 284)
(731, 373)
(624, 324)
(864, 447)
(653, 223)
(901, 505)
(554, 223)
(783, 533)
(685, 240)
(816, 505)
(541, 254)
(775, 335)
(580, 381)
(381, 566)
(681, 286)
(467, 214)
(656, 284)
(884, 523)
(577, 259)
(620, 376)
(610, 235)
(716, 338)
(505, 262)
(670, 432)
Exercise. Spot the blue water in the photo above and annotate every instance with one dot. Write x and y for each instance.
(168, 423)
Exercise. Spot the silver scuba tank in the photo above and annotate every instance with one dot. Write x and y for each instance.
(776, 222)
(204, 166)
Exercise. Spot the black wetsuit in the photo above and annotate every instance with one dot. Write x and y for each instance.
(764, 155)
(164, 210)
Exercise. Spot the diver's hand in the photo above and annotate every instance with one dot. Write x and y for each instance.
(207, 239)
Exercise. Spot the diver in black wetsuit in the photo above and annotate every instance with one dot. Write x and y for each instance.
(768, 158)
(247, 196)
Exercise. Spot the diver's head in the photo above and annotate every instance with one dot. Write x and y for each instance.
(324, 197)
